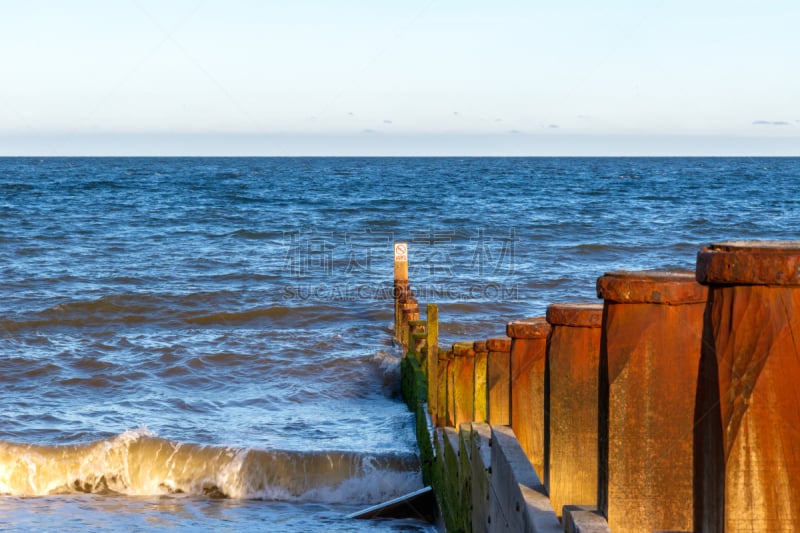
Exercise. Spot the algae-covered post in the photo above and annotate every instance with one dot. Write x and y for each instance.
(650, 352)
(747, 436)
(528, 355)
(417, 335)
(573, 359)
(432, 359)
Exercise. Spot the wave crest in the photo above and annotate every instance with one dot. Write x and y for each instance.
(138, 463)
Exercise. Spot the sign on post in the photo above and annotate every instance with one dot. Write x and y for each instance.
(401, 261)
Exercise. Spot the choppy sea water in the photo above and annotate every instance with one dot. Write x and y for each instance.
(203, 343)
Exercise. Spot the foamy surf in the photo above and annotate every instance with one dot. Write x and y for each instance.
(138, 463)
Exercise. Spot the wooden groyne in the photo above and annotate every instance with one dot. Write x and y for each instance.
(670, 406)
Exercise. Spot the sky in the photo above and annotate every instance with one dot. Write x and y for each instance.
(391, 77)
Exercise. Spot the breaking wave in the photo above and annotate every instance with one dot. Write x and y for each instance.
(138, 463)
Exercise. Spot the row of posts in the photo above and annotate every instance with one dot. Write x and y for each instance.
(672, 405)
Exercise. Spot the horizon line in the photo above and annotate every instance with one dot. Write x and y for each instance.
(395, 145)
(404, 156)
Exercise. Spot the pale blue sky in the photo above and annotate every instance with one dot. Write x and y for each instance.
(426, 77)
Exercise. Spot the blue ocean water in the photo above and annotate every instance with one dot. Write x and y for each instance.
(205, 343)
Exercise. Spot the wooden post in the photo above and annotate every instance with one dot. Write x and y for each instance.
(401, 261)
(481, 350)
(528, 356)
(573, 369)
(409, 310)
(650, 354)
(400, 283)
(416, 338)
(747, 432)
(442, 374)
(432, 361)
(405, 301)
(498, 381)
(462, 379)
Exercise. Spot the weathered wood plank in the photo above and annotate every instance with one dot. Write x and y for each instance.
(420, 504)
(498, 380)
(480, 462)
(528, 358)
(573, 358)
(584, 519)
(518, 496)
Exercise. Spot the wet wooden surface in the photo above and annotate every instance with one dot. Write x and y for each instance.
(573, 359)
(528, 356)
(498, 380)
(751, 345)
(651, 351)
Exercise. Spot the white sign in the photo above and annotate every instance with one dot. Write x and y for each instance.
(400, 251)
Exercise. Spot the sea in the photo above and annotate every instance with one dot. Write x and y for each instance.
(206, 343)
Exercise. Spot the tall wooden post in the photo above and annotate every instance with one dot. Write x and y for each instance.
(650, 354)
(528, 356)
(416, 338)
(444, 411)
(462, 377)
(573, 369)
(432, 361)
(747, 431)
(409, 311)
(400, 284)
(481, 350)
(498, 380)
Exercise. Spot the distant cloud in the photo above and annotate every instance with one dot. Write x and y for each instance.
(387, 121)
(498, 120)
(514, 132)
(455, 113)
(771, 123)
(351, 114)
(553, 126)
(368, 131)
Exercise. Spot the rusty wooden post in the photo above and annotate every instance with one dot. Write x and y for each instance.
(462, 378)
(404, 300)
(409, 311)
(498, 380)
(400, 283)
(442, 374)
(416, 338)
(528, 356)
(650, 353)
(573, 369)
(432, 361)
(481, 350)
(747, 436)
